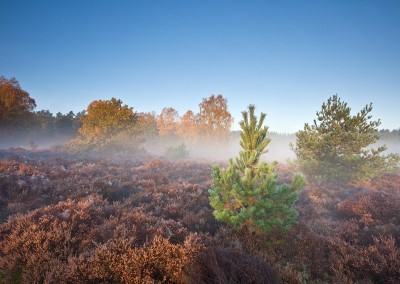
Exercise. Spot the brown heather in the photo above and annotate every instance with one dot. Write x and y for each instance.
(71, 220)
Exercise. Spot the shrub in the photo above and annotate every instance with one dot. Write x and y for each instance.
(158, 261)
(334, 148)
(225, 265)
(246, 193)
(177, 153)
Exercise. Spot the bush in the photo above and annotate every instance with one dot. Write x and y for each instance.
(246, 193)
(225, 265)
(335, 147)
(177, 153)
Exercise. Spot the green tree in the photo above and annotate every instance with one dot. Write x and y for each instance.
(336, 147)
(177, 153)
(246, 193)
(78, 120)
(44, 121)
(64, 123)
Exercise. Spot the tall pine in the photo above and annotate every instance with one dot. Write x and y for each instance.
(246, 193)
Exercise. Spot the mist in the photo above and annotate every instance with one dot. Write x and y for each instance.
(278, 149)
(32, 140)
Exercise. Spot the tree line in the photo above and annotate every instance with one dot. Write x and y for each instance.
(106, 122)
(18, 118)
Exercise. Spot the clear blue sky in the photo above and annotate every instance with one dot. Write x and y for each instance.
(286, 57)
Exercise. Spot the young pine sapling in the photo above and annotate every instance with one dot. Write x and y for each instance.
(246, 193)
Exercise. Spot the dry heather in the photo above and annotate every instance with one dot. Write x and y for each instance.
(71, 220)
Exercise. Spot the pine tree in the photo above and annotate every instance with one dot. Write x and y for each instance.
(336, 146)
(246, 193)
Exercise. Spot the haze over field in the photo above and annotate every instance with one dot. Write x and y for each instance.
(285, 57)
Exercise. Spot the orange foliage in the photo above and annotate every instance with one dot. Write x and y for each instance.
(16, 105)
(167, 122)
(188, 127)
(106, 119)
(147, 123)
(215, 119)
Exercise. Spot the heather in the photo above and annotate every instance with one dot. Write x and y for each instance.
(71, 220)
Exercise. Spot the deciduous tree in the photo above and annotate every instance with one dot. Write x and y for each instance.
(167, 122)
(107, 122)
(215, 119)
(147, 123)
(16, 106)
(188, 127)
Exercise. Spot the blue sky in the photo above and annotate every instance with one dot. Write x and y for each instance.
(286, 57)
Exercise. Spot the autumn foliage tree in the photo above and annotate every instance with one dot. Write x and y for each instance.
(188, 127)
(147, 123)
(336, 147)
(167, 122)
(108, 122)
(246, 193)
(215, 119)
(16, 106)
(210, 125)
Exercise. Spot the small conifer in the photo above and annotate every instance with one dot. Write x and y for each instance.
(246, 193)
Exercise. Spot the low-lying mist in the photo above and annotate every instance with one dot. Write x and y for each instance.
(33, 142)
(278, 148)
